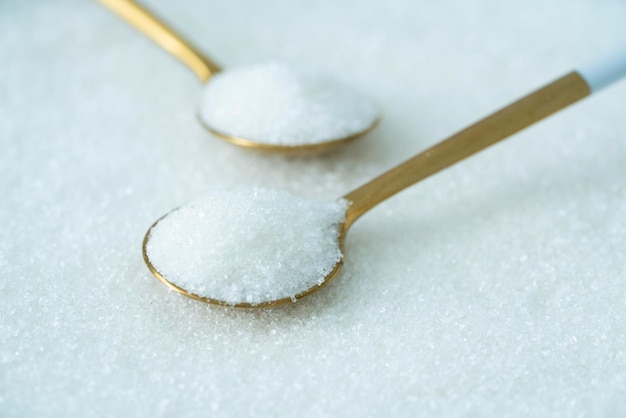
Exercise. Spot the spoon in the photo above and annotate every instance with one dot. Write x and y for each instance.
(528, 110)
(338, 134)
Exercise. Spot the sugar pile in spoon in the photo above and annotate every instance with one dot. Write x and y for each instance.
(274, 104)
(249, 246)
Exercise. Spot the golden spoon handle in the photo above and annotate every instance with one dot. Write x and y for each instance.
(496, 127)
(151, 26)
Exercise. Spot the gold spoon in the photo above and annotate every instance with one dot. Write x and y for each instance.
(205, 68)
(488, 131)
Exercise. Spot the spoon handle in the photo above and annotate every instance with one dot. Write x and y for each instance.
(496, 127)
(155, 29)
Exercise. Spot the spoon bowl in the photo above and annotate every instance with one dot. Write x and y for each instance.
(205, 69)
(268, 304)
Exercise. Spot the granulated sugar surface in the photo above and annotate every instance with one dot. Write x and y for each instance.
(272, 103)
(253, 246)
(493, 289)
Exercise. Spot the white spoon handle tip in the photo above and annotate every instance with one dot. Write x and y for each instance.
(605, 70)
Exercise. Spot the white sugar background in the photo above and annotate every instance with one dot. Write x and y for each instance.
(495, 288)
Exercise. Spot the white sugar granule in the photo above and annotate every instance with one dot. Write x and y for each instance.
(254, 245)
(272, 103)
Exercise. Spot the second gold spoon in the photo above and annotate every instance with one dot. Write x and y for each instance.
(246, 94)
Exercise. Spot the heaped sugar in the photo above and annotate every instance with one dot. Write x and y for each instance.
(272, 103)
(253, 245)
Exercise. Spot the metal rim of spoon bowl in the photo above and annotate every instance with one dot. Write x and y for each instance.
(290, 150)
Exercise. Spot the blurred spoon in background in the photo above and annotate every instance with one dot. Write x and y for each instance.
(267, 107)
